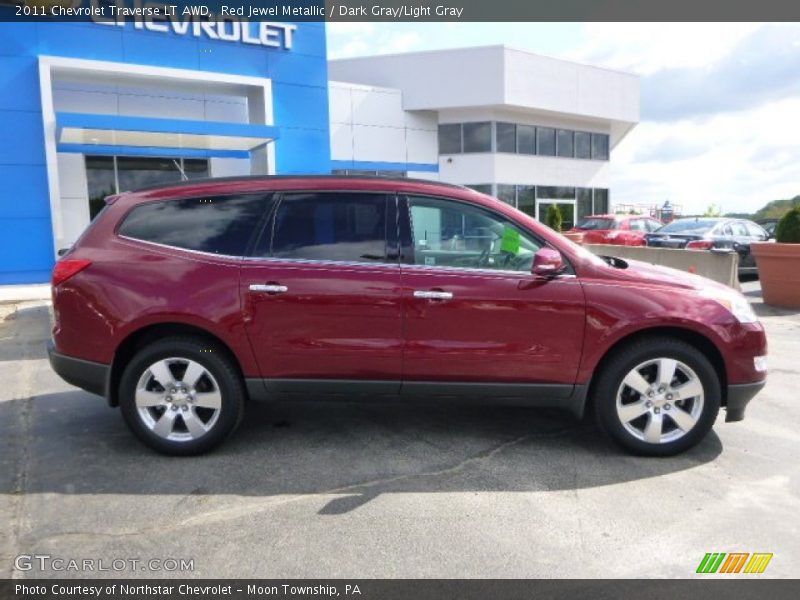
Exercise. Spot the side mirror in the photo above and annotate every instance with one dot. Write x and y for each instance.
(547, 263)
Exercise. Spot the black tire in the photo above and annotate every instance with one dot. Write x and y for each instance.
(224, 375)
(623, 362)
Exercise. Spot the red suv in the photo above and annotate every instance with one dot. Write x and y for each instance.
(181, 304)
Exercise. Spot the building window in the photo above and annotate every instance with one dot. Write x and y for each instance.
(477, 137)
(545, 141)
(599, 146)
(507, 193)
(526, 139)
(450, 139)
(526, 199)
(564, 143)
(601, 201)
(506, 137)
(101, 180)
(583, 145)
(555, 192)
(107, 175)
(369, 173)
(483, 188)
(584, 202)
(488, 136)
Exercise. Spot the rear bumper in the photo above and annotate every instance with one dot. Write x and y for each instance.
(85, 374)
(739, 395)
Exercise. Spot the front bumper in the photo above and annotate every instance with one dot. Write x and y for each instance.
(85, 374)
(739, 395)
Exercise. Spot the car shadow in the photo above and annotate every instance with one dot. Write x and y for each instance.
(72, 443)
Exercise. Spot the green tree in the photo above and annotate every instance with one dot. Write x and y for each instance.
(713, 210)
(554, 217)
(788, 229)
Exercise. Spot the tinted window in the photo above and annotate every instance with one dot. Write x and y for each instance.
(594, 224)
(449, 139)
(689, 225)
(221, 225)
(477, 137)
(506, 137)
(453, 234)
(583, 145)
(599, 146)
(526, 139)
(565, 143)
(545, 141)
(343, 226)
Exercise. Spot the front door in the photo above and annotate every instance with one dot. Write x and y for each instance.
(473, 310)
(322, 297)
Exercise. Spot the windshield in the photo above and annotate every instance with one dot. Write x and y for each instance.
(593, 223)
(689, 226)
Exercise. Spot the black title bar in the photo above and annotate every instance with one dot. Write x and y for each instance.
(406, 11)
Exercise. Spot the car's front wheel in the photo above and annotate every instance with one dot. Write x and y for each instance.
(657, 397)
(181, 396)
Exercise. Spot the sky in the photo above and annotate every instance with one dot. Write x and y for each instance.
(720, 102)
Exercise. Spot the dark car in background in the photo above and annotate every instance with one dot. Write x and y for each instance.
(712, 233)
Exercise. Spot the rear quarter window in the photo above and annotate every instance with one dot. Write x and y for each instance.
(222, 225)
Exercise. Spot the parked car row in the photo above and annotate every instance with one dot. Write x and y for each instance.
(717, 234)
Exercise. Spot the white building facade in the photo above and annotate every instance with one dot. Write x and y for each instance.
(529, 129)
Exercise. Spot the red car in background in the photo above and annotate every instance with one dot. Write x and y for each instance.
(620, 230)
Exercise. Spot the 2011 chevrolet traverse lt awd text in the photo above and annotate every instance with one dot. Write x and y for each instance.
(181, 304)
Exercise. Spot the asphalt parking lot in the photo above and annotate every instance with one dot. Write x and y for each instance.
(338, 490)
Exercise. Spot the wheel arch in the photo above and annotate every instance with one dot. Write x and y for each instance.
(140, 338)
(693, 338)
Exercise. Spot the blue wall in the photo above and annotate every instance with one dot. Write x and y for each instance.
(300, 103)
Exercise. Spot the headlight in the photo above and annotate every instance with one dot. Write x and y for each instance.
(736, 304)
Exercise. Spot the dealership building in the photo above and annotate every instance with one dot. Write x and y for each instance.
(95, 108)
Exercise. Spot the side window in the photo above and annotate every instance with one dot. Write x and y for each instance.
(447, 233)
(653, 225)
(222, 225)
(739, 229)
(638, 225)
(340, 226)
(755, 231)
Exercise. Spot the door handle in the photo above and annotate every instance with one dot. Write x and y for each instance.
(268, 288)
(432, 295)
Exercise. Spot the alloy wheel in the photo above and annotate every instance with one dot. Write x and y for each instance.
(660, 400)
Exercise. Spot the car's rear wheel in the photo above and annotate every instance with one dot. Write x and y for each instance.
(657, 397)
(181, 396)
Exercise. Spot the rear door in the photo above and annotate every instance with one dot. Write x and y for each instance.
(321, 295)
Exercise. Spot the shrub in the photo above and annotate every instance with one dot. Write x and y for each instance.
(554, 217)
(788, 229)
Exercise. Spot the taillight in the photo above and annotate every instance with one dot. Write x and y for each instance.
(700, 245)
(67, 268)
